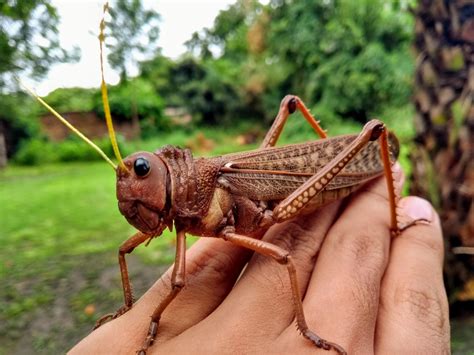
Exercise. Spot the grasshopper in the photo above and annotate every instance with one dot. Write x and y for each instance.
(237, 197)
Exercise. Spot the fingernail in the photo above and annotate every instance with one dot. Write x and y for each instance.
(417, 208)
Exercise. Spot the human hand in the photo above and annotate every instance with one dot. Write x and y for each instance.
(362, 289)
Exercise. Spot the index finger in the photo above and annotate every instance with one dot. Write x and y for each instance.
(413, 315)
(343, 294)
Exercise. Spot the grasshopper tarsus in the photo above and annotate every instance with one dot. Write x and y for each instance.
(150, 338)
(321, 343)
(108, 317)
(102, 320)
(405, 225)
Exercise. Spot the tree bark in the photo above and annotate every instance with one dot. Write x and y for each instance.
(3, 148)
(443, 158)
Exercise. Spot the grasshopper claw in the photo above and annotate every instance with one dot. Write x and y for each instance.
(323, 344)
(108, 317)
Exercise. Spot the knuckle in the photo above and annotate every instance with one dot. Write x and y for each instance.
(424, 304)
(365, 295)
(424, 239)
(366, 250)
(293, 236)
(211, 264)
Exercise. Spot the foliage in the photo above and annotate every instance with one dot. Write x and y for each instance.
(17, 119)
(71, 99)
(41, 151)
(352, 57)
(29, 39)
(158, 72)
(348, 59)
(133, 31)
(28, 44)
(135, 97)
(207, 94)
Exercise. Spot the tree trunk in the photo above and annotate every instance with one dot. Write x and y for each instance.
(3, 148)
(443, 159)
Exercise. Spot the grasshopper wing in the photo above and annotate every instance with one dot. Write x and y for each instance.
(273, 173)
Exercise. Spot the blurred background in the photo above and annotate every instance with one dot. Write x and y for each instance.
(210, 76)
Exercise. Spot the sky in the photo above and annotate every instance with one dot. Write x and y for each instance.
(80, 25)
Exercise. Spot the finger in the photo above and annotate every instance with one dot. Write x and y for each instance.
(413, 315)
(260, 306)
(343, 295)
(212, 267)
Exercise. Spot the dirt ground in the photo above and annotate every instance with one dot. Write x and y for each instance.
(79, 300)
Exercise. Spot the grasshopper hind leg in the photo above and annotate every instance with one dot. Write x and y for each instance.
(289, 105)
(397, 226)
(283, 257)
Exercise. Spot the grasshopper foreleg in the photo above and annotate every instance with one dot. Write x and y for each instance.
(177, 284)
(283, 257)
(290, 104)
(126, 248)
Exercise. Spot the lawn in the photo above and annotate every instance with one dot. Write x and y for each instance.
(60, 230)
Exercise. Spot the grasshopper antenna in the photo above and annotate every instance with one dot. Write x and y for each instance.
(105, 99)
(67, 124)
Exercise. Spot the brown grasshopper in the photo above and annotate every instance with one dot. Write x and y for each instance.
(239, 196)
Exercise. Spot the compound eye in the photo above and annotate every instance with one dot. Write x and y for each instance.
(141, 167)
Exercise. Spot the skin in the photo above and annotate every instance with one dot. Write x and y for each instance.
(363, 290)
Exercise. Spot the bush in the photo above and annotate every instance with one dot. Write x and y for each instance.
(34, 152)
(71, 99)
(135, 96)
(39, 151)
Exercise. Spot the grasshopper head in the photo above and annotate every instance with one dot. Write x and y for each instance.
(142, 193)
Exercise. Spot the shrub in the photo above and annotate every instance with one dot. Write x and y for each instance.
(39, 151)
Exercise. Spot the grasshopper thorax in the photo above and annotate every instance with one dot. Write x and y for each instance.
(142, 193)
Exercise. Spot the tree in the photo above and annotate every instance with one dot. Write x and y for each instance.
(29, 44)
(133, 32)
(444, 156)
(351, 58)
(29, 40)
